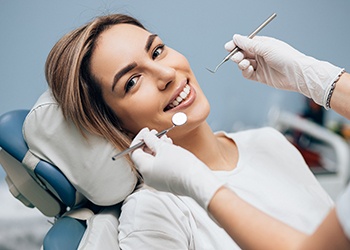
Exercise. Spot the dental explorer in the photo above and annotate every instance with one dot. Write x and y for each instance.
(236, 49)
(178, 119)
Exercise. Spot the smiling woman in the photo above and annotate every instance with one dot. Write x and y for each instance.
(142, 80)
(113, 78)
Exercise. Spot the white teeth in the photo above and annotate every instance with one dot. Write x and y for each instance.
(184, 93)
(187, 89)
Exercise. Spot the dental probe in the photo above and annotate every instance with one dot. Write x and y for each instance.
(178, 119)
(236, 49)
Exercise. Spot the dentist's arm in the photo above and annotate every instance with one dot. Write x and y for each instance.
(277, 64)
(250, 228)
(340, 101)
(173, 169)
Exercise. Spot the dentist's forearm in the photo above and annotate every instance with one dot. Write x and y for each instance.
(340, 101)
(249, 227)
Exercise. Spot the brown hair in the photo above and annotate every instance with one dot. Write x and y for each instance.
(79, 95)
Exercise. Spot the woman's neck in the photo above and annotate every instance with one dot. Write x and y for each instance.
(218, 153)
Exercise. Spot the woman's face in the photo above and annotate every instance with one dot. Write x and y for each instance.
(146, 82)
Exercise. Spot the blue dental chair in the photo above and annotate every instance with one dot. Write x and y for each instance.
(52, 166)
(43, 186)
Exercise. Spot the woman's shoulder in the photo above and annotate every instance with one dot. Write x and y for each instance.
(147, 204)
(147, 197)
(148, 213)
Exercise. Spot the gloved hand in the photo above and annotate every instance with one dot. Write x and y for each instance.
(277, 64)
(173, 169)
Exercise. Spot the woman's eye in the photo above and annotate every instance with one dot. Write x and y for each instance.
(131, 83)
(158, 51)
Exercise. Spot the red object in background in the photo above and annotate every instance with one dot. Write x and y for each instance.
(312, 158)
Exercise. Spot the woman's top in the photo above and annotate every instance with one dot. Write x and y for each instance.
(343, 211)
(270, 174)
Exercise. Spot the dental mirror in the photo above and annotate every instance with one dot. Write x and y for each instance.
(178, 119)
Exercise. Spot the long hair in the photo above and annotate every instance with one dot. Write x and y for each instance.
(68, 74)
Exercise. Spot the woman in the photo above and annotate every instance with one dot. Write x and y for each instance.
(275, 63)
(112, 77)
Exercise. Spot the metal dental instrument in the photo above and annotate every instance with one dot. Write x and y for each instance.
(178, 119)
(236, 49)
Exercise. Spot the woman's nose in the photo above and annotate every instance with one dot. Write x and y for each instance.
(165, 75)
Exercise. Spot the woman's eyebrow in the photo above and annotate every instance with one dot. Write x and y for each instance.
(131, 66)
(150, 41)
(122, 72)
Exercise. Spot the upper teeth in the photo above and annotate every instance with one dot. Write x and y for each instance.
(182, 96)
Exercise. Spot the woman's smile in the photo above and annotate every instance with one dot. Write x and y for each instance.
(144, 81)
(183, 99)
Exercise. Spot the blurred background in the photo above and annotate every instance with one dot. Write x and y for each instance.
(197, 29)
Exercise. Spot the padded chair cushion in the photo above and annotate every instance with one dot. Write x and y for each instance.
(102, 230)
(66, 234)
(11, 138)
(86, 162)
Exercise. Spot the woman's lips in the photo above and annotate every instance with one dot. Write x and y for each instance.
(184, 98)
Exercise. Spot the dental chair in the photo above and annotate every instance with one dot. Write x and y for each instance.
(51, 166)
(42, 186)
(332, 150)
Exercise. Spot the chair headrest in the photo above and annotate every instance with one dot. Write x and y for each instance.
(11, 138)
(85, 161)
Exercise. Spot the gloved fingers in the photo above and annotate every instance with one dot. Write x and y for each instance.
(261, 45)
(153, 142)
(244, 64)
(166, 139)
(146, 134)
(240, 55)
(139, 137)
(153, 131)
(243, 42)
(237, 57)
(230, 45)
(248, 72)
(139, 156)
(143, 160)
(253, 63)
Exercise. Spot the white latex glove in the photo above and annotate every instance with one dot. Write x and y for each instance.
(173, 169)
(277, 64)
